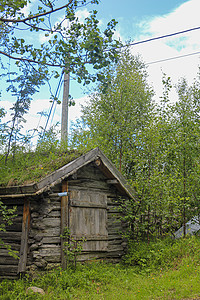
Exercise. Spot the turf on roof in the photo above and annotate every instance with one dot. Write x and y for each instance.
(31, 166)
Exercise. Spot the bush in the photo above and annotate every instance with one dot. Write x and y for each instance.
(161, 253)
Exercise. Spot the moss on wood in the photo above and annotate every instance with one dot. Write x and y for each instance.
(31, 166)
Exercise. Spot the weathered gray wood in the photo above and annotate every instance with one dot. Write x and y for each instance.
(88, 196)
(112, 181)
(67, 170)
(89, 172)
(115, 224)
(114, 236)
(10, 236)
(47, 232)
(46, 223)
(54, 213)
(95, 245)
(8, 270)
(94, 212)
(100, 255)
(88, 217)
(48, 252)
(14, 246)
(90, 184)
(113, 210)
(8, 260)
(51, 240)
(109, 170)
(15, 227)
(64, 221)
(113, 247)
(55, 195)
(78, 237)
(87, 205)
(24, 238)
(4, 253)
(115, 242)
(88, 221)
(9, 190)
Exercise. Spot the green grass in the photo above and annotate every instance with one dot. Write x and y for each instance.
(38, 164)
(175, 275)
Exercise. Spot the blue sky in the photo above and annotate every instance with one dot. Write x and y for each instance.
(140, 20)
(129, 13)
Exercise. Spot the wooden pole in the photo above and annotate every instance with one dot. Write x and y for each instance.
(24, 237)
(65, 105)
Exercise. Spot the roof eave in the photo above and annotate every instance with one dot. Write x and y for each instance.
(61, 174)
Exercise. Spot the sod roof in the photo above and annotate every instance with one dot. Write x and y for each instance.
(41, 177)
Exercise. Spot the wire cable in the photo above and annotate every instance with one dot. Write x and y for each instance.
(56, 105)
(59, 83)
(159, 37)
(171, 58)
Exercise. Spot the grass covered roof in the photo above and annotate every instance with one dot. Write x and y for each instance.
(31, 166)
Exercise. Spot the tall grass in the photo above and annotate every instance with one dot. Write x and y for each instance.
(161, 270)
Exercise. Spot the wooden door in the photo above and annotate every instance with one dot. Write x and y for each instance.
(88, 219)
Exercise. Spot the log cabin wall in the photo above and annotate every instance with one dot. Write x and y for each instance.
(44, 235)
(90, 181)
(93, 214)
(12, 237)
(90, 210)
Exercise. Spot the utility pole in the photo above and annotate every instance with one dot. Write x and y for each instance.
(65, 106)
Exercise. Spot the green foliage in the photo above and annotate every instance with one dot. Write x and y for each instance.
(73, 46)
(37, 165)
(156, 146)
(48, 156)
(3, 129)
(72, 248)
(116, 113)
(78, 47)
(6, 216)
(173, 276)
(161, 254)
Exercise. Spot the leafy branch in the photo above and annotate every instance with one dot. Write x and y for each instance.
(72, 247)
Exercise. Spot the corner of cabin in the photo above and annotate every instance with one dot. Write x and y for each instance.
(88, 207)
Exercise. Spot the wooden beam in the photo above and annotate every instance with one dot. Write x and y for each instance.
(24, 237)
(112, 181)
(98, 162)
(64, 220)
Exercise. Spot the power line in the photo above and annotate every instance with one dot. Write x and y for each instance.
(171, 58)
(158, 37)
(59, 83)
(56, 104)
(134, 44)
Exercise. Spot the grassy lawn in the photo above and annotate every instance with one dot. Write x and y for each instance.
(175, 276)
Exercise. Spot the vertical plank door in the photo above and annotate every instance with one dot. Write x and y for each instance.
(88, 219)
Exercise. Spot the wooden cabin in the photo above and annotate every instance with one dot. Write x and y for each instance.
(83, 195)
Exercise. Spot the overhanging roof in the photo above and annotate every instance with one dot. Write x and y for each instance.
(95, 155)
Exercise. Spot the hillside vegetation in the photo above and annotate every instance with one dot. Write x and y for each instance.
(167, 269)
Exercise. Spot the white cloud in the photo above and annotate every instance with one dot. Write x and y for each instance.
(118, 36)
(26, 9)
(34, 120)
(184, 17)
(81, 14)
